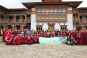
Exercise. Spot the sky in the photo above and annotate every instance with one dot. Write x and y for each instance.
(18, 3)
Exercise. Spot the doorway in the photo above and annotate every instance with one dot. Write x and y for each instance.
(17, 26)
(9, 27)
(63, 27)
(28, 26)
(51, 27)
(78, 28)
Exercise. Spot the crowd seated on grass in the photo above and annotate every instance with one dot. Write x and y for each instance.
(20, 37)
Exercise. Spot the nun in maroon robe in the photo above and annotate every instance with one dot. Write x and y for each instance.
(9, 32)
(35, 39)
(8, 40)
(79, 38)
(85, 38)
(25, 39)
(51, 34)
(17, 40)
(5, 33)
(74, 34)
(22, 40)
(12, 39)
(30, 40)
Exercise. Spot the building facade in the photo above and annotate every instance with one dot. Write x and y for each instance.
(45, 15)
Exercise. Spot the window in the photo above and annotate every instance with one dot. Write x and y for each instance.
(64, 15)
(63, 11)
(43, 10)
(80, 18)
(75, 15)
(51, 14)
(55, 10)
(23, 19)
(47, 15)
(63, 27)
(28, 16)
(47, 10)
(78, 28)
(17, 18)
(39, 27)
(10, 18)
(59, 11)
(84, 18)
(51, 10)
(38, 10)
(1, 18)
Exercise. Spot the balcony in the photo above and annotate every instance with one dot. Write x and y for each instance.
(28, 21)
(13, 23)
(82, 23)
(51, 20)
(75, 20)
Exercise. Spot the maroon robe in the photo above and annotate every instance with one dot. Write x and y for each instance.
(25, 39)
(51, 35)
(8, 40)
(17, 40)
(74, 34)
(30, 40)
(85, 38)
(12, 39)
(22, 40)
(35, 39)
(79, 38)
(5, 33)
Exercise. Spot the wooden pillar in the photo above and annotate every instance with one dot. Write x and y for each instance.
(4, 27)
(4, 19)
(79, 18)
(22, 27)
(14, 18)
(13, 26)
(82, 28)
(25, 18)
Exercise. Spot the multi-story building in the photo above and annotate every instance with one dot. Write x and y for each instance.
(48, 14)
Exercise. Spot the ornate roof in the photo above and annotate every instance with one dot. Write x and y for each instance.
(17, 9)
(52, 2)
(29, 5)
(82, 8)
(3, 8)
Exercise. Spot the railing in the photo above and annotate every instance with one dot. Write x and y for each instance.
(13, 23)
(82, 23)
(51, 20)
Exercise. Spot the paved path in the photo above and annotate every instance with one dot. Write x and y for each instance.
(43, 51)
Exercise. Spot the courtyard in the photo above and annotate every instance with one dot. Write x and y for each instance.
(42, 51)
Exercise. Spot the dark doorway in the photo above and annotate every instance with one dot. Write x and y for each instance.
(9, 27)
(86, 27)
(28, 26)
(18, 26)
(39, 27)
(78, 28)
(1, 26)
(63, 27)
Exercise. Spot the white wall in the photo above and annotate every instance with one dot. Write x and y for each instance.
(57, 26)
(74, 27)
(45, 26)
(33, 20)
(69, 20)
